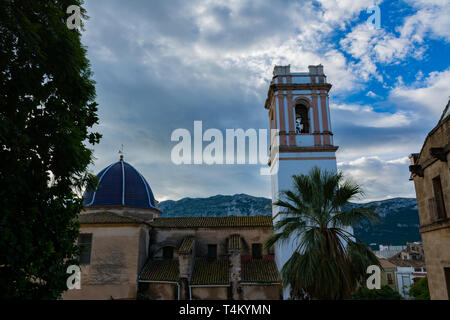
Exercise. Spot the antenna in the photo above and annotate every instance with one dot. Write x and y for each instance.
(121, 153)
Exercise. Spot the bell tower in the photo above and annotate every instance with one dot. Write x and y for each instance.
(298, 108)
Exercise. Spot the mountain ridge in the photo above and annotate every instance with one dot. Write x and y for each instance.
(399, 221)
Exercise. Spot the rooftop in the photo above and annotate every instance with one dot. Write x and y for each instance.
(259, 271)
(211, 272)
(186, 245)
(160, 270)
(234, 242)
(399, 262)
(213, 222)
(106, 217)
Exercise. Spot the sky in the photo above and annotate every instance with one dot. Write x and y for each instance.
(161, 65)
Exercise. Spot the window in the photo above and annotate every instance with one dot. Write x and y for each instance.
(301, 119)
(85, 243)
(167, 253)
(447, 281)
(389, 278)
(257, 251)
(212, 251)
(438, 195)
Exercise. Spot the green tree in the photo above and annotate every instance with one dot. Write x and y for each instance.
(328, 261)
(419, 290)
(47, 108)
(384, 293)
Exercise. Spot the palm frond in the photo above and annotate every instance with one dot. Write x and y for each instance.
(354, 216)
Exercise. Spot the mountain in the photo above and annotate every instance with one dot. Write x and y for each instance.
(217, 206)
(399, 221)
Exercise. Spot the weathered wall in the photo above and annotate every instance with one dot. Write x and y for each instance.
(209, 293)
(115, 262)
(261, 292)
(162, 291)
(205, 236)
(437, 257)
(384, 279)
(435, 234)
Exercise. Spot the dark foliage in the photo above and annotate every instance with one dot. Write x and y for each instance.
(47, 108)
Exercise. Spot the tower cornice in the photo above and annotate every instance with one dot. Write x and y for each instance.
(294, 86)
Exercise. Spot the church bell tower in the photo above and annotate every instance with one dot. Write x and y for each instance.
(298, 108)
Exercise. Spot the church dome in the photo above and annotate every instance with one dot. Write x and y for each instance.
(120, 184)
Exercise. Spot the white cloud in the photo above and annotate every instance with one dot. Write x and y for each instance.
(366, 116)
(380, 179)
(432, 18)
(372, 94)
(428, 95)
(370, 46)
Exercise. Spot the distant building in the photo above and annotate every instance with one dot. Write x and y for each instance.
(388, 274)
(388, 251)
(430, 172)
(130, 252)
(410, 267)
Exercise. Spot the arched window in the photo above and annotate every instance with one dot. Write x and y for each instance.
(167, 253)
(301, 119)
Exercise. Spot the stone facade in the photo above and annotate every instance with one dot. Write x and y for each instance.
(117, 255)
(190, 248)
(430, 172)
(135, 258)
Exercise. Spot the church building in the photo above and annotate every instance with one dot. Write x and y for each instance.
(131, 252)
(298, 108)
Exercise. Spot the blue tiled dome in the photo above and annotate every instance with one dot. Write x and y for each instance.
(120, 185)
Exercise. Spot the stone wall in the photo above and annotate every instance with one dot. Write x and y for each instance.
(205, 236)
(209, 293)
(261, 292)
(115, 262)
(435, 233)
(162, 291)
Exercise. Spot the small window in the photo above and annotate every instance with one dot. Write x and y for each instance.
(168, 253)
(85, 243)
(439, 196)
(257, 251)
(389, 278)
(447, 281)
(301, 119)
(212, 251)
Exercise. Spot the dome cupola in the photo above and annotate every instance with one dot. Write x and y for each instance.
(120, 184)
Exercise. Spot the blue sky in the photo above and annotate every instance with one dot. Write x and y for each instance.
(160, 65)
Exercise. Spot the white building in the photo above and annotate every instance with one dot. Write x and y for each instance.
(388, 251)
(406, 276)
(298, 106)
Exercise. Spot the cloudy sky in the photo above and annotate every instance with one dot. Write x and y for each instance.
(160, 65)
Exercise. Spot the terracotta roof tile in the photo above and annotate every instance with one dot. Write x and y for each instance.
(106, 217)
(160, 270)
(186, 245)
(263, 271)
(234, 242)
(211, 272)
(213, 222)
(386, 264)
(398, 261)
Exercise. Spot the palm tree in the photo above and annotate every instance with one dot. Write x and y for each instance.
(329, 261)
